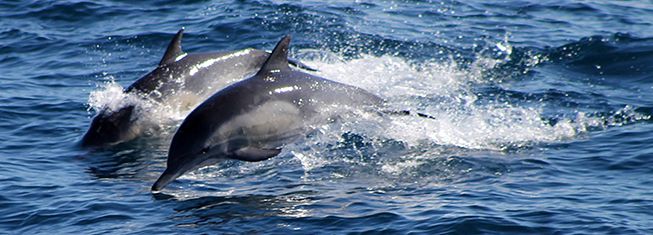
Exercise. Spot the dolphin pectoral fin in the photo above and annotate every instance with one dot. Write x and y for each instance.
(174, 49)
(299, 64)
(252, 154)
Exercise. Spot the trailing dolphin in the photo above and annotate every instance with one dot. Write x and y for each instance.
(182, 78)
(252, 119)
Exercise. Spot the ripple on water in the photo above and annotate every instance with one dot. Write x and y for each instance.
(543, 119)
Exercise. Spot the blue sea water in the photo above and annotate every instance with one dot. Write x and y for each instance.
(543, 119)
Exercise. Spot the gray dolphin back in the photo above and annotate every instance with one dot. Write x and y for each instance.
(179, 79)
(253, 119)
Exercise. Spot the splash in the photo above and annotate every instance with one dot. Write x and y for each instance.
(110, 96)
(150, 114)
(445, 90)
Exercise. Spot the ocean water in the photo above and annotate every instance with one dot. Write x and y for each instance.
(543, 119)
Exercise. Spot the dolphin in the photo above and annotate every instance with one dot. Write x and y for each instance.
(251, 120)
(185, 78)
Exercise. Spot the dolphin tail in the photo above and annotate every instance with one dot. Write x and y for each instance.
(174, 49)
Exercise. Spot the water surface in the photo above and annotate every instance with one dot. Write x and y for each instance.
(543, 119)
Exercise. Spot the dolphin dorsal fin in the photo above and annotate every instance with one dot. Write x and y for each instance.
(278, 59)
(174, 49)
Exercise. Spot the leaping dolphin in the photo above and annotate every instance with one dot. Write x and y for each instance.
(252, 119)
(188, 78)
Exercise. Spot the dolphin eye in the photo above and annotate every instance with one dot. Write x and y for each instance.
(205, 150)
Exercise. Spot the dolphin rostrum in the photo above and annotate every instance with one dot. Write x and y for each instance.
(252, 119)
(184, 78)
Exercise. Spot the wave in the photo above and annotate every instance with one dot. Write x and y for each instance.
(619, 55)
(470, 116)
(494, 101)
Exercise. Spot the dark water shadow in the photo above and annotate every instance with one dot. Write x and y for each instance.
(211, 211)
(132, 159)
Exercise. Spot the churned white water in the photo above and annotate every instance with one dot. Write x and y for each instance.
(443, 90)
(458, 119)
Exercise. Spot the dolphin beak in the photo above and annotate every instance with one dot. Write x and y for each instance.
(173, 171)
(165, 178)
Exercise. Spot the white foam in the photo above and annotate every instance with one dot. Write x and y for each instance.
(110, 96)
(151, 114)
(441, 89)
(444, 91)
